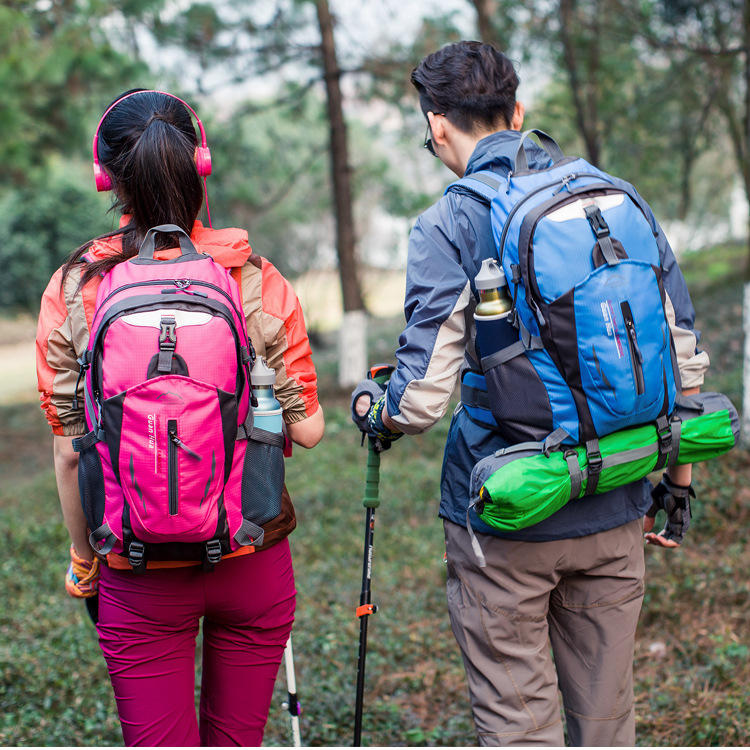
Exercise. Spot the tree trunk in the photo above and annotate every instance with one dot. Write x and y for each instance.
(745, 167)
(484, 10)
(584, 96)
(495, 22)
(342, 200)
(745, 161)
(746, 368)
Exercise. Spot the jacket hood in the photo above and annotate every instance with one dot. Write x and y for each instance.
(228, 247)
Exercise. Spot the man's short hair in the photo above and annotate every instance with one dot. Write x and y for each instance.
(471, 83)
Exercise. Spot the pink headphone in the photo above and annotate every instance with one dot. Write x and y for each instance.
(202, 154)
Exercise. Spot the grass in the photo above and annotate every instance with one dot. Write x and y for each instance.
(692, 664)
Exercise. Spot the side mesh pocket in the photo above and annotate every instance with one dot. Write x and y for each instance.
(262, 476)
(518, 400)
(90, 481)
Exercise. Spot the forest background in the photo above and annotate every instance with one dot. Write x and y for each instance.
(316, 141)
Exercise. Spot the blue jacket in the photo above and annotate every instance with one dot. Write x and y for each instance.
(447, 245)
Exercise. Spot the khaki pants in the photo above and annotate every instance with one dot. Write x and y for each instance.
(583, 596)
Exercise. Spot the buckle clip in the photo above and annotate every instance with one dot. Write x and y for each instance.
(213, 551)
(665, 440)
(168, 333)
(596, 220)
(596, 463)
(135, 556)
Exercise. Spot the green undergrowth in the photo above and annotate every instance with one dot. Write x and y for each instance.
(692, 665)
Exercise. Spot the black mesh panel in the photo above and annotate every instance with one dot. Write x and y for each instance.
(262, 481)
(519, 401)
(91, 486)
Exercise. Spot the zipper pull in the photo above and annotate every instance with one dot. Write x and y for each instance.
(564, 183)
(634, 338)
(173, 437)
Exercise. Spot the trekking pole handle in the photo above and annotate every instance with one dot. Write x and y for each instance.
(372, 477)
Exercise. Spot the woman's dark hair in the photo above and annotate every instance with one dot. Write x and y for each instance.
(471, 83)
(147, 145)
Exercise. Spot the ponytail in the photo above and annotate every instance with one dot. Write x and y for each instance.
(147, 143)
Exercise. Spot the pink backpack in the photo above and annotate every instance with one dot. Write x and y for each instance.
(172, 468)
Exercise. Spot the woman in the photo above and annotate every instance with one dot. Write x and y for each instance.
(146, 150)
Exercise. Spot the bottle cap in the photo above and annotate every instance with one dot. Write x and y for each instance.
(490, 276)
(262, 374)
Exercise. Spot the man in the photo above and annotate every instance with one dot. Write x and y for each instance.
(574, 580)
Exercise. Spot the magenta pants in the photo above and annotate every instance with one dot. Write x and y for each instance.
(147, 629)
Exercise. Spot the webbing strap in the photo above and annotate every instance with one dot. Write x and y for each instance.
(526, 343)
(85, 442)
(488, 179)
(600, 228)
(167, 342)
(165, 360)
(576, 475)
(594, 456)
(103, 533)
(474, 397)
(676, 427)
(95, 415)
(664, 441)
(245, 430)
(554, 440)
(249, 534)
(504, 355)
(520, 448)
(608, 251)
(529, 341)
(264, 436)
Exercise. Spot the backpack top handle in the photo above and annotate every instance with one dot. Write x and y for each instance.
(548, 144)
(146, 251)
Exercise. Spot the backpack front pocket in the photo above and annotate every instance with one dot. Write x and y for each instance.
(613, 344)
(171, 441)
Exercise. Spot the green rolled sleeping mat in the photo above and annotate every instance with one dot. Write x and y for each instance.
(524, 484)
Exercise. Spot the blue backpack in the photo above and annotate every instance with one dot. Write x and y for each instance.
(594, 352)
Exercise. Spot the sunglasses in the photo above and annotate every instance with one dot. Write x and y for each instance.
(428, 141)
(428, 138)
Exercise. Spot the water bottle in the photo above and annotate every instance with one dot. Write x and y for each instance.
(494, 332)
(267, 415)
(263, 472)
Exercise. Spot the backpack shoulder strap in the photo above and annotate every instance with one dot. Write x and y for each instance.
(483, 184)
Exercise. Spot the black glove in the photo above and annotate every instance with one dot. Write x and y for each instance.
(674, 499)
(371, 422)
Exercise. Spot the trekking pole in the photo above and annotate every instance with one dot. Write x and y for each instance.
(380, 374)
(291, 703)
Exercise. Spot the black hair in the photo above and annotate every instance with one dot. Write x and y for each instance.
(471, 83)
(147, 145)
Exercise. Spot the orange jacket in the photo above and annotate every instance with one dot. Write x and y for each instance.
(275, 323)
